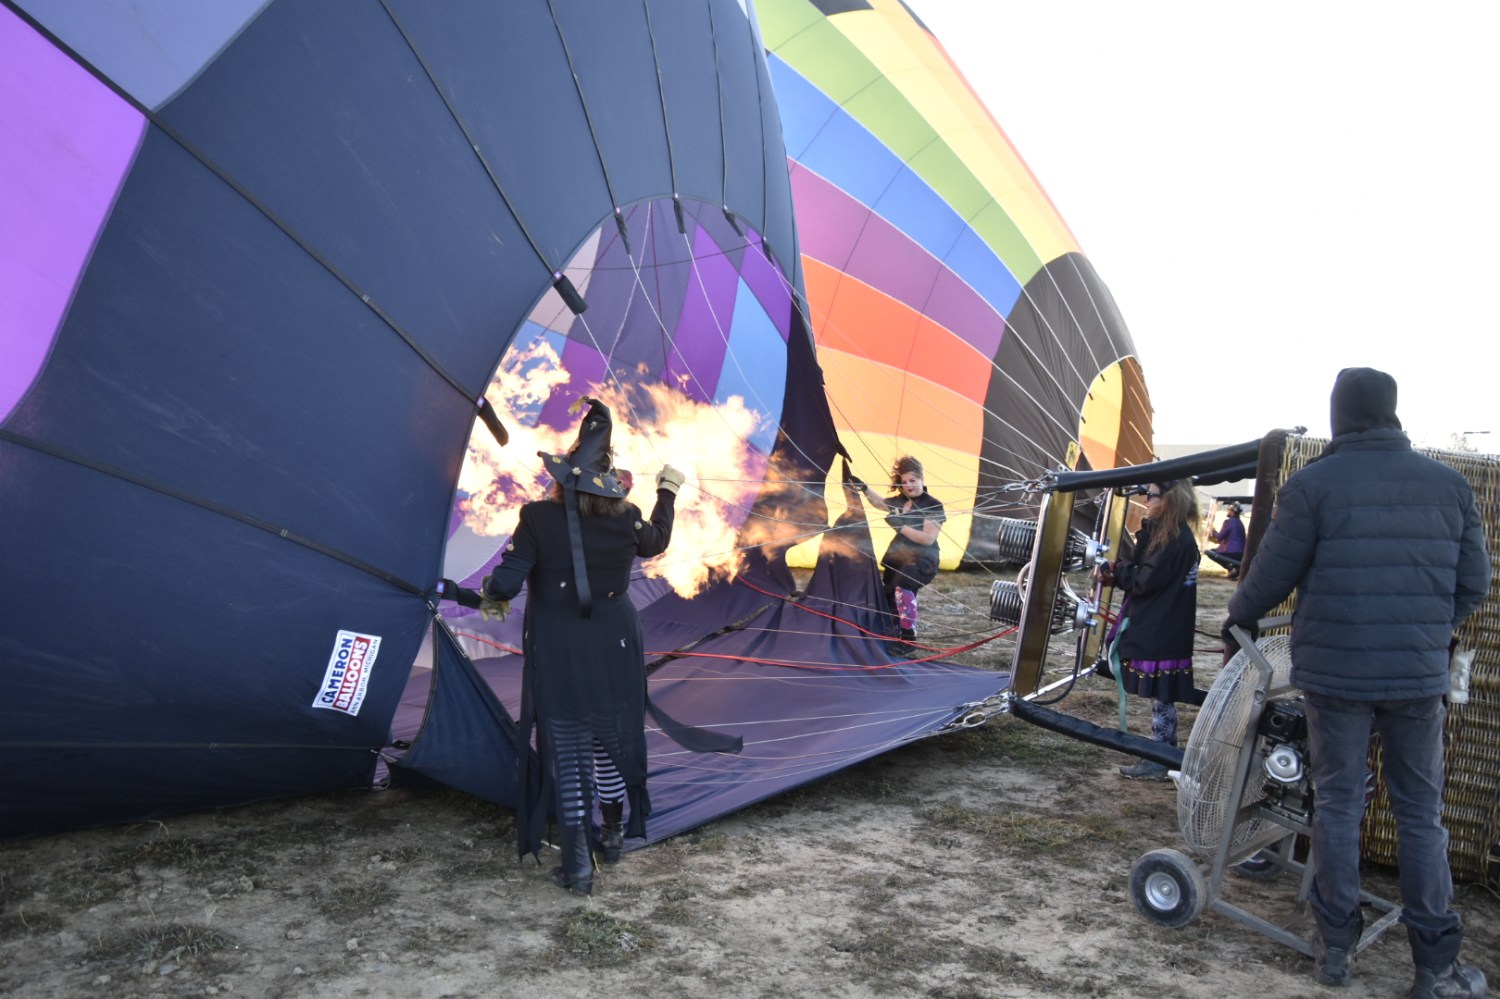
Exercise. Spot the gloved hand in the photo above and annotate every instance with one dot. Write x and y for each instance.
(858, 484)
(1230, 645)
(670, 479)
(494, 610)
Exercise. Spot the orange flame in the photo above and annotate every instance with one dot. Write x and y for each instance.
(499, 479)
(655, 424)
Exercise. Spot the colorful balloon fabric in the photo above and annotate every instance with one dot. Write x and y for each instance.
(956, 318)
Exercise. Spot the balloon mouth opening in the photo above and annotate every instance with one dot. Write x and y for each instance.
(684, 337)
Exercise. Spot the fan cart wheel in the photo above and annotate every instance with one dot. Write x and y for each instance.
(1168, 888)
(1257, 868)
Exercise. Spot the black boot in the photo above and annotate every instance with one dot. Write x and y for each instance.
(577, 871)
(611, 831)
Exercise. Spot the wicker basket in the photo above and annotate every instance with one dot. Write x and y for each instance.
(1471, 797)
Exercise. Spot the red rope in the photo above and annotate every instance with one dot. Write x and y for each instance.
(937, 653)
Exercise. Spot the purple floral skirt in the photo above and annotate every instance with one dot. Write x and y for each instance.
(1160, 679)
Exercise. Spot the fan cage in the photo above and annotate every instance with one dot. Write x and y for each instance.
(1209, 763)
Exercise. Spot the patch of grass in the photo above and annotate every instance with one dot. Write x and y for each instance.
(599, 939)
(1013, 741)
(164, 941)
(347, 902)
(259, 831)
(675, 914)
(872, 782)
(996, 963)
(106, 875)
(1024, 830)
(887, 951)
(706, 839)
(959, 990)
(201, 858)
(420, 940)
(455, 802)
(20, 923)
(480, 865)
(90, 884)
(421, 853)
(893, 960)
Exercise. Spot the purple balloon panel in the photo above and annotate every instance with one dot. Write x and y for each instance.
(707, 313)
(66, 144)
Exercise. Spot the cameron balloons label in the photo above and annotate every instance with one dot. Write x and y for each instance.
(348, 672)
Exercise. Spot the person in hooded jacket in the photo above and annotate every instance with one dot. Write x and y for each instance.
(1385, 549)
(1159, 614)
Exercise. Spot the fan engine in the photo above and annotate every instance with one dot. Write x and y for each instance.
(1285, 787)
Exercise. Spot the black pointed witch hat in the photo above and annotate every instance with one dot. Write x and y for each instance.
(588, 465)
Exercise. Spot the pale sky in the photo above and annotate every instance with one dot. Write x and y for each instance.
(1271, 191)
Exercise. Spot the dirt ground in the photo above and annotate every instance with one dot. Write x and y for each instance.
(993, 862)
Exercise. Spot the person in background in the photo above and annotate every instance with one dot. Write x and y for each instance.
(1230, 550)
(583, 683)
(1386, 552)
(1159, 613)
(911, 560)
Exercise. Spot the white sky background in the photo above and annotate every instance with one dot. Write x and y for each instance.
(1271, 191)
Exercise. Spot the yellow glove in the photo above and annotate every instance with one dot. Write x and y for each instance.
(670, 479)
(489, 608)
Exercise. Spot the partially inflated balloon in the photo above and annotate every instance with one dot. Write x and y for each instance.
(956, 318)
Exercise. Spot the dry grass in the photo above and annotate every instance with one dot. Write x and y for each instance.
(990, 862)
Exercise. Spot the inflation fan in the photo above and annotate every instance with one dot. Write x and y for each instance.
(1243, 797)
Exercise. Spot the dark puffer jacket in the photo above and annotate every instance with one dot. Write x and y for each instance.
(1386, 551)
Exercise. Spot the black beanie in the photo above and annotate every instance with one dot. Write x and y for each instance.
(1362, 399)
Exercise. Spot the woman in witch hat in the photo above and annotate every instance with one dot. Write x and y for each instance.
(583, 685)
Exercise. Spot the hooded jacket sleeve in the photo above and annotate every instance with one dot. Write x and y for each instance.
(1283, 558)
(1473, 567)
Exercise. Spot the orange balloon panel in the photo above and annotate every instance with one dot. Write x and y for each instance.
(851, 316)
(871, 398)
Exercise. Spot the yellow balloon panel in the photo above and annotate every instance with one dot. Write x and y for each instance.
(948, 472)
(1114, 426)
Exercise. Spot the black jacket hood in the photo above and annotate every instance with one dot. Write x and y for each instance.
(1363, 399)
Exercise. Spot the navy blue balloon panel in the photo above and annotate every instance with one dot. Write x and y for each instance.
(267, 259)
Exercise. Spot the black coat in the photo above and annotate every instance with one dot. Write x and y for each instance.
(1163, 592)
(587, 671)
(1385, 549)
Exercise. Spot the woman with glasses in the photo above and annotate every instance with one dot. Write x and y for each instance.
(1160, 611)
